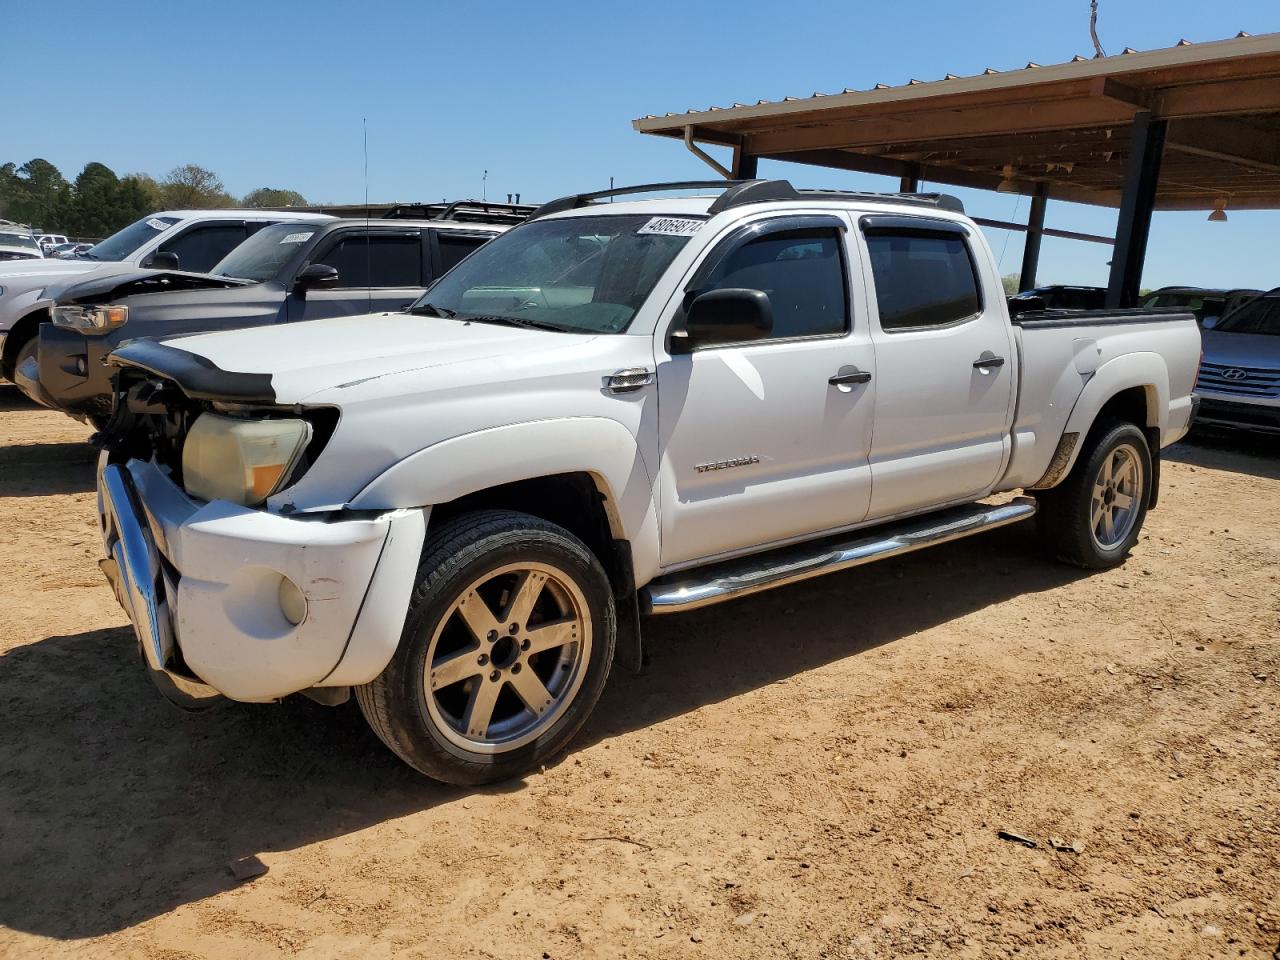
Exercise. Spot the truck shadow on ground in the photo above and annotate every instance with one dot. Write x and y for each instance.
(119, 808)
(43, 469)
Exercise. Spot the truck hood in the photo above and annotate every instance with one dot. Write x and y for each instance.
(46, 270)
(109, 286)
(1241, 349)
(288, 363)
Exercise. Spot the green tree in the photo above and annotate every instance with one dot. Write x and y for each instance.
(8, 188)
(1010, 281)
(138, 196)
(191, 187)
(91, 209)
(274, 197)
(33, 192)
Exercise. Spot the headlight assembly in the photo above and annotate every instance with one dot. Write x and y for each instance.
(97, 319)
(243, 461)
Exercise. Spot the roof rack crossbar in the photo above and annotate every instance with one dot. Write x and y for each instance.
(741, 192)
(474, 211)
(573, 201)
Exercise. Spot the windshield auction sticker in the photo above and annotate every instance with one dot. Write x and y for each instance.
(156, 224)
(297, 237)
(670, 227)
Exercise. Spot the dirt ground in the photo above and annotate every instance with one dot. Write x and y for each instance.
(820, 771)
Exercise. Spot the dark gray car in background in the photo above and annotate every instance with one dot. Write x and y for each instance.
(284, 273)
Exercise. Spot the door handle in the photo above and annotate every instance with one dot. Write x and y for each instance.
(986, 362)
(858, 376)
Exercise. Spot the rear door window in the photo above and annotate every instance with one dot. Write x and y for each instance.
(455, 247)
(922, 279)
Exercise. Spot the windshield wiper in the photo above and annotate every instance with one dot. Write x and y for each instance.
(431, 310)
(505, 321)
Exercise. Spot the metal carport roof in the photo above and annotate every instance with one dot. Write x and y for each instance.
(1195, 126)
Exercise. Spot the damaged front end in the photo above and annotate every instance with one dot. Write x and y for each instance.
(141, 443)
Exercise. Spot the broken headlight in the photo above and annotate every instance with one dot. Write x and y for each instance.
(96, 319)
(243, 461)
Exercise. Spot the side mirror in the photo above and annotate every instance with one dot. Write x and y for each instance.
(731, 315)
(1210, 321)
(161, 260)
(316, 276)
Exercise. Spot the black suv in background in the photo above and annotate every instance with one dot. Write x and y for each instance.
(284, 273)
(1209, 306)
(1058, 297)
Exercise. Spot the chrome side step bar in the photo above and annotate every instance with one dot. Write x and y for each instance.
(702, 587)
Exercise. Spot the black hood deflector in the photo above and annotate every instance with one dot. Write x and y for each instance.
(198, 377)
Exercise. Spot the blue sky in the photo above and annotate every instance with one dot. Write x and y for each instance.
(542, 95)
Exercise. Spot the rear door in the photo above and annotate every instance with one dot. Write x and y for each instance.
(944, 365)
(378, 269)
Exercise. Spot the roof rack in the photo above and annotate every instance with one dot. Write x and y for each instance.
(741, 192)
(463, 211)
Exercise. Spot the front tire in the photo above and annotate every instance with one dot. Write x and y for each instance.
(1093, 518)
(506, 649)
(28, 349)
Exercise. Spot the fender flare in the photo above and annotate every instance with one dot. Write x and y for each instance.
(1146, 370)
(602, 448)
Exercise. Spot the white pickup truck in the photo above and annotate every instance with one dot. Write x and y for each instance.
(462, 511)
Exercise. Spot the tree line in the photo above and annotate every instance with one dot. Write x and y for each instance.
(98, 202)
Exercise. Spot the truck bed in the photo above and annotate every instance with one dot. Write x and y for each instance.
(1063, 352)
(1042, 319)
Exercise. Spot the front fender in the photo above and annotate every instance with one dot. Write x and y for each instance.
(1145, 370)
(477, 461)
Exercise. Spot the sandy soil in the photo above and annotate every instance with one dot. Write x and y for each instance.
(816, 772)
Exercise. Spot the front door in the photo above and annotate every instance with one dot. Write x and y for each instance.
(382, 270)
(758, 445)
(944, 367)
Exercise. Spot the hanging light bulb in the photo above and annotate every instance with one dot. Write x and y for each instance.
(1008, 184)
(1219, 214)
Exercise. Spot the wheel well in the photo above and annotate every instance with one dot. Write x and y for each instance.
(18, 334)
(570, 500)
(1130, 405)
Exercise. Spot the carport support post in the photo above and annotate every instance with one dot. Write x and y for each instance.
(1136, 204)
(910, 182)
(1035, 230)
(744, 165)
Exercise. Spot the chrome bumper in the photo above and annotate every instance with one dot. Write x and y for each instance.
(27, 377)
(132, 565)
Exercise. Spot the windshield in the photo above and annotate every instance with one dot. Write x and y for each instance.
(579, 274)
(1256, 316)
(124, 242)
(261, 256)
(18, 240)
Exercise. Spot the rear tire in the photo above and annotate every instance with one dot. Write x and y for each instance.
(1093, 518)
(505, 651)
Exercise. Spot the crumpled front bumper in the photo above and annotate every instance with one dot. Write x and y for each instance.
(202, 584)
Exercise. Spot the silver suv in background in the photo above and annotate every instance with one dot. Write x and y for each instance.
(1239, 383)
(170, 240)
